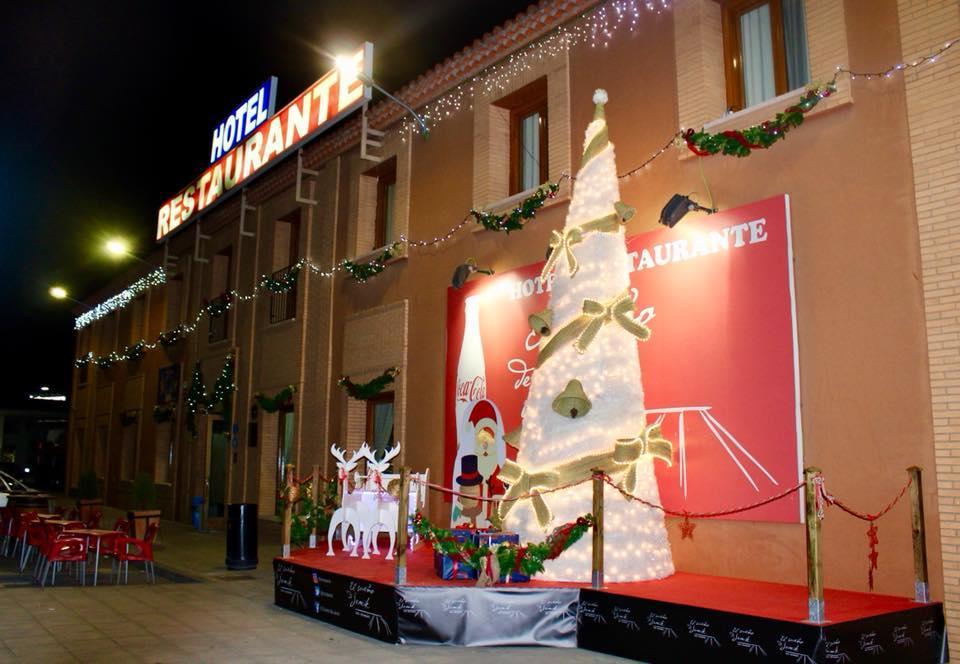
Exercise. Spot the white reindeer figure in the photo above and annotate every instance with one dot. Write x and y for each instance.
(345, 516)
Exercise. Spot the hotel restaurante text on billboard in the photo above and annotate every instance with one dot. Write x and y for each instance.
(325, 102)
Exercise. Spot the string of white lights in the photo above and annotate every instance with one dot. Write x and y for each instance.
(620, 10)
(121, 299)
(597, 26)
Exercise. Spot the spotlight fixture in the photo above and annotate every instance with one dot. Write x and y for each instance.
(463, 272)
(677, 207)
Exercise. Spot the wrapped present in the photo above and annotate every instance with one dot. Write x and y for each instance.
(452, 567)
(515, 576)
(493, 538)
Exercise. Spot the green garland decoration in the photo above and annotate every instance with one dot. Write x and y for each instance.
(104, 362)
(198, 401)
(274, 403)
(741, 142)
(363, 271)
(528, 559)
(162, 413)
(219, 305)
(312, 514)
(171, 337)
(514, 220)
(284, 283)
(134, 353)
(370, 389)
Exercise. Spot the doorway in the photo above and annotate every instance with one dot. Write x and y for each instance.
(218, 447)
(285, 449)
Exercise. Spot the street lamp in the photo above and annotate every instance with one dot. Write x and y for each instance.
(348, 69)
(118, 248)
(60, 293)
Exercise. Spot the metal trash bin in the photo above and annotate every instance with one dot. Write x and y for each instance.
(242, 536)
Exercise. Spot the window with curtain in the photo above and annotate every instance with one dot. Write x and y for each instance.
(380, 422)
(765, 48)
(285, 448)
(527, 109)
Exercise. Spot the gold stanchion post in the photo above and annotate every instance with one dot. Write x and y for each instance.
(288, 510)
(921, 587)
(317, 492)
(597, 575)
(815, 606)
(400, 576)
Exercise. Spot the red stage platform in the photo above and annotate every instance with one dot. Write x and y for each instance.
(779, 601)
(686, 615)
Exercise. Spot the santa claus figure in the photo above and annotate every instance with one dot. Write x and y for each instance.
(481, 446)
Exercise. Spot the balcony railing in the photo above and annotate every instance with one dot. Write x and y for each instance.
(283, 305)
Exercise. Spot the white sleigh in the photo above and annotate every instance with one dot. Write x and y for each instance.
(369, 509)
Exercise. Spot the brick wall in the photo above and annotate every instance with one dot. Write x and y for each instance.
(933, 97)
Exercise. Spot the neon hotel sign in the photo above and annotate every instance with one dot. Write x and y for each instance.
(256, 148)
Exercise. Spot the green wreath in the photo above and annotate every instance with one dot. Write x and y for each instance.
(277, 401)
(370, 389)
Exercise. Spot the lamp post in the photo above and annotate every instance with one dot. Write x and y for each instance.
(60, 293)
(118, 248)
(348, 69)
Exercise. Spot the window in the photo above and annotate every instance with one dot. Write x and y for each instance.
(286, 252)
(285, 449)
(380, 422)
(138, 320)
(527, 109)
(765, 50)
(128, 450)
(173, 290)
(100, 451)
(380, 185)
(163, 459)
(219, 285)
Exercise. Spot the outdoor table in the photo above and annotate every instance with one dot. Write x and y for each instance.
(97, 533)
(60, 523)
(47, 517)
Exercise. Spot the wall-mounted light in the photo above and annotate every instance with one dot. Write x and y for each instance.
(463, 272)
(349, 70)
(677, 207)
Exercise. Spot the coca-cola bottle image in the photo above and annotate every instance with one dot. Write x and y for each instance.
(471, 386)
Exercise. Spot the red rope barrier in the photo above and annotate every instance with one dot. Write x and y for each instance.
(443, 489)
(702, 515)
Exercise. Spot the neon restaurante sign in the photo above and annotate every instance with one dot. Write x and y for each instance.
(321, 105)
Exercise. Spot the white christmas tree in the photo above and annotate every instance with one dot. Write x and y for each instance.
(585, 407)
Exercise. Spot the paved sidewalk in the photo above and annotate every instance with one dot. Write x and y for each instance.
(214, 620)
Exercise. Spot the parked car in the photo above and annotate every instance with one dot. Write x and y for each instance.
(20, 495)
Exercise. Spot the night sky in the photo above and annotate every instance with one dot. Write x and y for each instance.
(107, 109)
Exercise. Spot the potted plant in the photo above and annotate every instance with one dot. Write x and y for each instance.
(145, 510)
(88, 494)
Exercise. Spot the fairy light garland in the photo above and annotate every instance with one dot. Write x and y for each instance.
(494, 77)
(596, 27)
(156, 278)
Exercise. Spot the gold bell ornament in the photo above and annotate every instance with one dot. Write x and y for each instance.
(541, 322)
(573, 401)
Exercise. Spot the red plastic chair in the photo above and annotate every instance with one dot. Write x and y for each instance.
(6, 527)
(73, 514)
(65, 549)
(94, 521)
(122, 526)
(142, 552)
(19, 533)
(36, 542)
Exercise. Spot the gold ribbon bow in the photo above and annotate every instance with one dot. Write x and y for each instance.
(562, 242)
(521, 483)
(630, 450)
(583, 329)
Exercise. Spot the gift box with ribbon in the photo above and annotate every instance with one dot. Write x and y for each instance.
(452, 567)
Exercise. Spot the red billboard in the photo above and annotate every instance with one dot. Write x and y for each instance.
(719, 371)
